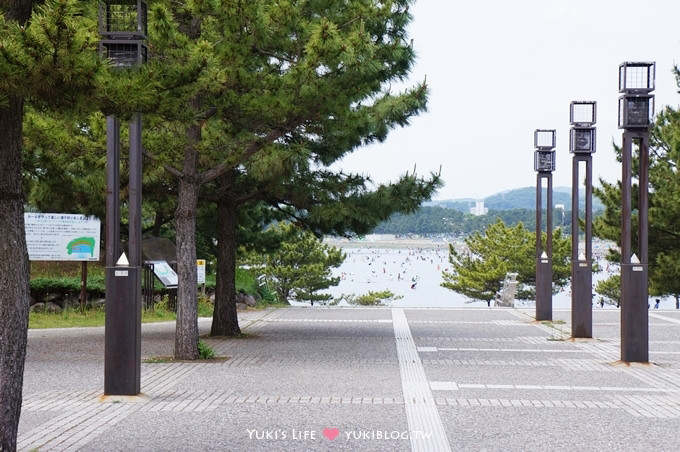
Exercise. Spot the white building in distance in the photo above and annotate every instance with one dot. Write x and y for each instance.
(479, 209)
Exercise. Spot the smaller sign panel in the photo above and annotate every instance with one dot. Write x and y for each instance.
(164, 272)
(200, 271)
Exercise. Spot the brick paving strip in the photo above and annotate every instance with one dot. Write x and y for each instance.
(421, 412)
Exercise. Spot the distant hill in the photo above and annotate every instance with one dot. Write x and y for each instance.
(519, 198)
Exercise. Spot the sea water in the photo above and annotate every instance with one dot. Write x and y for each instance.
(414, 274)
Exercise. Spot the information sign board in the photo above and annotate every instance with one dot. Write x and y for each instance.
(62, 237)
(200, 271)
(164, 272)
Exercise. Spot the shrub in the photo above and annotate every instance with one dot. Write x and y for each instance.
(379, 298)
(40, 287)
(204, 351)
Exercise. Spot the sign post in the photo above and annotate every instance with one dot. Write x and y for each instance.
(200, 272)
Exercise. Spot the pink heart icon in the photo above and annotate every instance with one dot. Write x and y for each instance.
(331, 433)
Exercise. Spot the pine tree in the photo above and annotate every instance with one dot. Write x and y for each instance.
(48, 59)
(251, 102)
(480, 268)
(301, 266)
(664, 207)
(294, 84)
(319, 200)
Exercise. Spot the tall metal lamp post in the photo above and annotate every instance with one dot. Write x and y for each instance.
(582, 146)
(544, 165)
(123, 26)
(636, 109)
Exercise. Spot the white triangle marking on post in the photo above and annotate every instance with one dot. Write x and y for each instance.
(123, 261)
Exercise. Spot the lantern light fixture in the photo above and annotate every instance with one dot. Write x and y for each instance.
(636, 105)
(544, 156)
(582, 115)
(544, 161)
(637, 77)
(123, 26)
(544, 139)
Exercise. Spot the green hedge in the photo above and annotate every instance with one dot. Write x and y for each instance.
(40, 287)
(96, 286)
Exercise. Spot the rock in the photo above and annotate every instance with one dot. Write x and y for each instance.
(246, 299)
(241, 307)
(53, 296)
(52, 307)
(71, 301)
(37, 307)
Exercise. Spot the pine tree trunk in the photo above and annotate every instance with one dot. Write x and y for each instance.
(14, 274)
(186, 330)
(225, 317)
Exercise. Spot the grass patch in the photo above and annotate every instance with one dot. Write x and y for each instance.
(67, 318)
(158, 359)
(72, 317)
(205, 353)
(552, 324)
(172, 359)
(238, 336)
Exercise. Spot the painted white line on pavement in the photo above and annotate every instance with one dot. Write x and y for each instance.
(454, 386)
(477, 349)
(663, 317)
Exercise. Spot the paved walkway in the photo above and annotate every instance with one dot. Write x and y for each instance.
(365, 379)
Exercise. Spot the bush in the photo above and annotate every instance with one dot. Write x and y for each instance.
(379, 298)
(40, 287)
(246, 282)
(204, 351)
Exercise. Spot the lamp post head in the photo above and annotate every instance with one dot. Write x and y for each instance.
(544, 139)
(582, 140)
(636, 105)
(123, 25)
(544, 156)
(637, 77)
(583, 113)
(123, 54)
(124, 19)
(544, 161)
(636, 111)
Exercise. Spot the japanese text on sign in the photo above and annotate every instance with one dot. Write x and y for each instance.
(62, 237)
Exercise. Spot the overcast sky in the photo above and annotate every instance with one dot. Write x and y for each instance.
(499, 69)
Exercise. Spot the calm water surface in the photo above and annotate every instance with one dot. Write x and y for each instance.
(414, 274)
